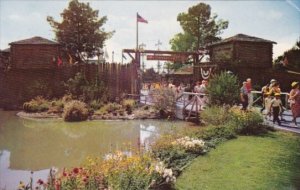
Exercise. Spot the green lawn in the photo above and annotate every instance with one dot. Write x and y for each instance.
(248, 162)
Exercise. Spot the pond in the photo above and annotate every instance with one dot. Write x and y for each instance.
(38, 144)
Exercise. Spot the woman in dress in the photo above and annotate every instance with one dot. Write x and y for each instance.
(294, 99)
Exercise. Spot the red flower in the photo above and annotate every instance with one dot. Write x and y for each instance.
(64, 174)
(75, 170)
(40, 182)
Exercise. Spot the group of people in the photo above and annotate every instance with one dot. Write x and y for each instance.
(271, 96)
(198, 87)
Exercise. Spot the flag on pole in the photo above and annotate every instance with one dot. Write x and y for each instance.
(141, 19)
(59, 61)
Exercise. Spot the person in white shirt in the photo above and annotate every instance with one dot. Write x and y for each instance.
(276, 105)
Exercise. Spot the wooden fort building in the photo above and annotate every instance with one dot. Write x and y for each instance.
(243, 50)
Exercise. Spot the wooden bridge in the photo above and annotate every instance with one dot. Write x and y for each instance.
(188, 104)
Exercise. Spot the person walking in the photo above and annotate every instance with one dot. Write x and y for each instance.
(294, 99)
(264, 92)
(276, 106)
(244, 96)
(249, 89)
(268, 103)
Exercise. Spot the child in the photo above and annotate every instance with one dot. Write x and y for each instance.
(276, 105)
(267, 102)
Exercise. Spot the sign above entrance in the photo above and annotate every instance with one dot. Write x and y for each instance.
(167, 57)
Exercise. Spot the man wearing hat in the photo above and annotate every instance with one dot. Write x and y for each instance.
(276, 105)
(294, 99)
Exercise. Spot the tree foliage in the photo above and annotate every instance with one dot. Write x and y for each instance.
(293, 57)
(200, 28)
(183, 42)
(223, 88)
(81, 31)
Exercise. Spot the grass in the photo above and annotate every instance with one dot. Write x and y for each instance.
(248, 162)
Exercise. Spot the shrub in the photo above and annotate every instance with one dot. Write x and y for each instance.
(75, 111)
(215, 115)
(38, 104)
(87, 91)
(129, 105)
(67, 98)
(210, 133)
(223, 88)
(165, 101)
(96, 104)
(176, 152)
(75, 85)
(249, 122)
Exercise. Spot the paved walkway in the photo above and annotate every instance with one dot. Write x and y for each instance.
(286, 125)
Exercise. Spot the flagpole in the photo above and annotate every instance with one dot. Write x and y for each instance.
(137, 32)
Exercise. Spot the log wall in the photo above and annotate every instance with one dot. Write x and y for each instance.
(20, 85)
(34, 56)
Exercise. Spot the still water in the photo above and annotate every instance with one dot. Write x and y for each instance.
(39, 144)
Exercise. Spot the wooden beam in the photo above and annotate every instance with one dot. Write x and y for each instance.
(162, 52)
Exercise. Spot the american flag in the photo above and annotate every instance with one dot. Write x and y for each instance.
(140, 19)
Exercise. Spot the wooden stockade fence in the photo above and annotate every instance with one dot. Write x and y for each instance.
(18, 85)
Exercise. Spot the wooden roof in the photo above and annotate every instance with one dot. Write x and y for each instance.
(34, 41)
(242, 38)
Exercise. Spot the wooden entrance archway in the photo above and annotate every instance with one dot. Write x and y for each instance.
(154, 55)
(135, 55)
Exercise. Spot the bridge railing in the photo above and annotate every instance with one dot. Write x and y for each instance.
(284, 94)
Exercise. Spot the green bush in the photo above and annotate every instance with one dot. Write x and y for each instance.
(87, 91)
(129, 105)
(110, 108)
(215, 115)
(75, 111)
(96, 104)
(38, 104)
(249, 122)
(66, 98)
(217, 133)
(174, 158)
(164, 101)
(223, 88)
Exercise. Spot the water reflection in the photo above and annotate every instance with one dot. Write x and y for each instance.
(37, 145)
(9, 179)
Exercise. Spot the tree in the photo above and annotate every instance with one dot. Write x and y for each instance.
(183, 42)
(293, 57)
(200, 25)
(80, 32)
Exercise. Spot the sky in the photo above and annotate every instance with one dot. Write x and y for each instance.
(277, 20)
